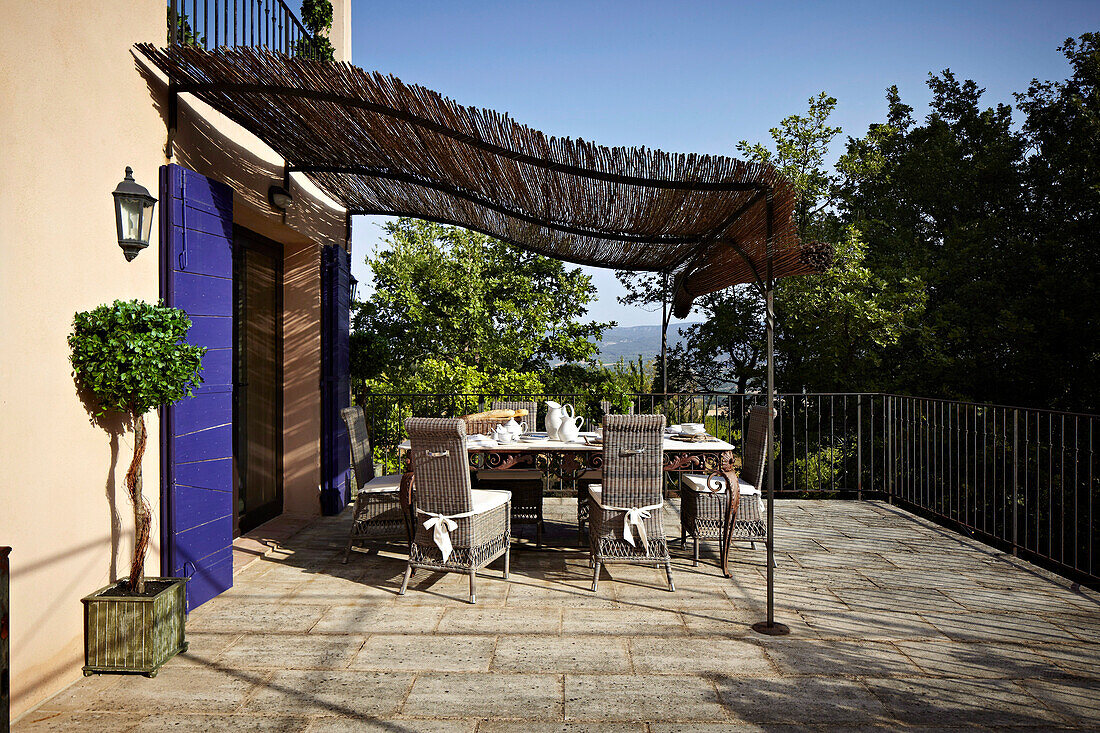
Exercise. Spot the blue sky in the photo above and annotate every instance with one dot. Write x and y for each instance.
(700, 76)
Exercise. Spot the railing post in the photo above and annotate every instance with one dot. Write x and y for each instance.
(890, 449)
(1015, 474)
(859, 447)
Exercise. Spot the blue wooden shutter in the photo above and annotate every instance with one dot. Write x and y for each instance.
(197, 433)
(335, 365)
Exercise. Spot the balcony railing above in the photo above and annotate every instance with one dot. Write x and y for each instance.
(211, 24)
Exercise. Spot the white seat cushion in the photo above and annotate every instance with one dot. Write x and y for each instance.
(484, 499)
(509, 475)
(698, 483)
(382, 484)
(596, 490)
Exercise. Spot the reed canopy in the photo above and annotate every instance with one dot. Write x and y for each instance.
(379, 146)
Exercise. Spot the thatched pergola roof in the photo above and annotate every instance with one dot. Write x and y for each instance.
(379, 146)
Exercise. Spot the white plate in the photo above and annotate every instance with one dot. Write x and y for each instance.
(532, 438)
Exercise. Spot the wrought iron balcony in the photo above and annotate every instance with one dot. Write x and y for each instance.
(211, 24)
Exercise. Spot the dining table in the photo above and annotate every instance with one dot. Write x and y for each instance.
(572, 460)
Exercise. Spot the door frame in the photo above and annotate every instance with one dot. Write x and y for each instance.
(244, 238)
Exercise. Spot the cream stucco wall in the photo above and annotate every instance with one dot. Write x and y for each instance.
(340, 36)
(73, 115)
(76, 107)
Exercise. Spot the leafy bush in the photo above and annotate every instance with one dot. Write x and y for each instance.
(132, 357)
(818, 471)
(317, 18)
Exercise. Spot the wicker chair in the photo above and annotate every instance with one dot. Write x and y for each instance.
(705, 499)
(624, 521)
(377, 515)
(526, 486)
(458, 529)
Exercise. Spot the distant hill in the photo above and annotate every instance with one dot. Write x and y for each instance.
(628, 342)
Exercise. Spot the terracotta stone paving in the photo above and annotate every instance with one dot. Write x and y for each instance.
(896, 623)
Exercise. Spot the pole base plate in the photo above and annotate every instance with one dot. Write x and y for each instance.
(762, 627)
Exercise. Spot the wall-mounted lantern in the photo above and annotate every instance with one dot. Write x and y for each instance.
(133, 215)
(280, 198)
(353, 287)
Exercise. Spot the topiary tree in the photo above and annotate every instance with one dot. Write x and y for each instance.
(132, 357)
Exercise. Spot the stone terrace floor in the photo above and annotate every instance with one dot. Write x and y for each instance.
(896, 623)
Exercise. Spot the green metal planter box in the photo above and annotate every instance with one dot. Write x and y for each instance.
(124, 632)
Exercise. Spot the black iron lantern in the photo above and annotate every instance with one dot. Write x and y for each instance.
(353, 287)
(133, 215)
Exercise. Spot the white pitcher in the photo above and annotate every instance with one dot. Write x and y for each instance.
(570, 428)
(554, 415)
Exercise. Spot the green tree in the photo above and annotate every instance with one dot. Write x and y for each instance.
(468, 300)
(949, 205)
(836, 328)
(832, 329)
(131, 356)
(1061, 132)
(801, 146)
(317, 18)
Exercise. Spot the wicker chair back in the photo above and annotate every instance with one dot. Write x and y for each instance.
(532, 408)
(633, 462)
(441, 465)
(755, 446)
(361, 459)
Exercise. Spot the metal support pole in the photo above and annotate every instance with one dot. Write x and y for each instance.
(664, 333)
(769, 626)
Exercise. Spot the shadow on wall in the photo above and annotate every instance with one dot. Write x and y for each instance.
(115, 424)
(302, 374)
(227, 156)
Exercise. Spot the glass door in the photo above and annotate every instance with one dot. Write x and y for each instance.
(258, 379)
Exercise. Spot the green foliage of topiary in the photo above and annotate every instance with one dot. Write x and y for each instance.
(132, 356)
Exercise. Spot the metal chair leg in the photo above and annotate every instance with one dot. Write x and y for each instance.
(405, 581)
(538, 535)
(668, 572)
(695, 553)
(507, 559)
(347, 551)
(473, 585)
(595, 574)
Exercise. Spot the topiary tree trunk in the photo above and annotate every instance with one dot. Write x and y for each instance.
(142, 513)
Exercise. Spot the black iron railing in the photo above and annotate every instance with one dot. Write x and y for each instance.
(209, 24)
(1022, 479)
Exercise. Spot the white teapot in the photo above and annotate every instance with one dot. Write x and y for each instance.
(570, 428)
(502, 434)
(515, 429)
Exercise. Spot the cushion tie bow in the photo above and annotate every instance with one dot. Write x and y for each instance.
(441, 526)
(635, 517)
